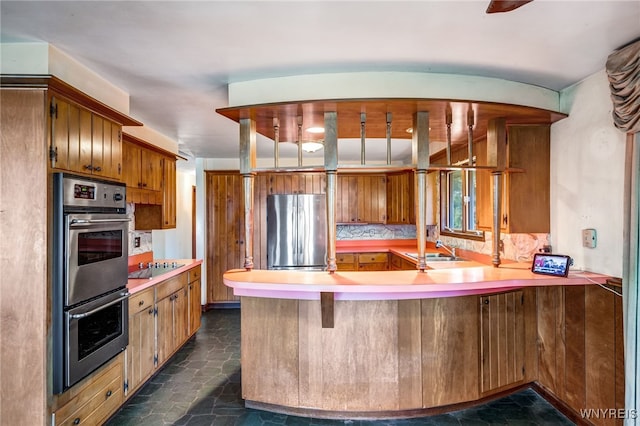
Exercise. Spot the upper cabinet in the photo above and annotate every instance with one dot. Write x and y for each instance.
(400, 198)
(361, 199)
(525, 196)
(83, 141)
(150, 176)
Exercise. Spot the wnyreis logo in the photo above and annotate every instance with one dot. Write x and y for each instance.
(608, 413)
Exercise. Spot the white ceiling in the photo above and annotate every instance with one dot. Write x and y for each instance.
(175, 58)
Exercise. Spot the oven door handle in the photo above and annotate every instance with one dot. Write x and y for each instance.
(93, 311)
(85, 221)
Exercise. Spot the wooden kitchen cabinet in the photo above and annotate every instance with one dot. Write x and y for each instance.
(362, 261)
(525, 195)
(95, 399)
(172, 321)
(140, 353)
(194, 297)
(225, 228)
(150, 177)
(83, 141)
(361, 198)
(502, 339)
(143, 170)
(398, 263)
(401, 207)
(169, 200)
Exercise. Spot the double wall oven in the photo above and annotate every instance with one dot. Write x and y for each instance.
(90, 266)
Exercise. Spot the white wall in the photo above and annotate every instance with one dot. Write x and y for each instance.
(587, 177)
(176, 243)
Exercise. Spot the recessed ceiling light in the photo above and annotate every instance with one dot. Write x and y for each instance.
(315, 130)
(312, 146)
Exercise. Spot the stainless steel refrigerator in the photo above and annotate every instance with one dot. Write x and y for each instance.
(296, 231)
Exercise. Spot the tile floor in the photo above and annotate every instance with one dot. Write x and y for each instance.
(201, 386)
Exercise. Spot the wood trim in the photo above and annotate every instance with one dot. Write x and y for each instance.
(126, 137)
(559, 405)
(381, 415)
(326, 308)
(53, 83)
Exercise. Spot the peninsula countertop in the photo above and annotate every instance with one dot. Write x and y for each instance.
(456, 279)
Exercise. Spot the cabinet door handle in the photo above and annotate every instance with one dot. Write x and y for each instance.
(150, 311)
(486, 301)
(98, 169)
(141, 303)
(109, 393)
(144, 184)
(88, 167)
(76, 421)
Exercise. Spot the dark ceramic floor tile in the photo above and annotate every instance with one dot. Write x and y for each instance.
(200, 385)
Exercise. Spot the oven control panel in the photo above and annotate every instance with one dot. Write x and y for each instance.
(90, 193)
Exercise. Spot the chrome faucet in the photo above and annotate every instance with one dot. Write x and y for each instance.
(440, 244)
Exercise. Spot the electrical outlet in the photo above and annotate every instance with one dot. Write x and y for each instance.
(589, 238)
(136, 242)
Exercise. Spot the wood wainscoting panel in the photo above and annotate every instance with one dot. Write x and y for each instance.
(362, 363)
(24, 304)
(450, 362)
(600, 351)
(549, 301)
(574, 386)
(269, 358)
(409, 354)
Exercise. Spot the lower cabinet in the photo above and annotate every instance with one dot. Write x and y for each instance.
(161, 319)
(171, 301)
(194, 299)
(141, 351)
(93, 400)
(363, 261)
(398, 263)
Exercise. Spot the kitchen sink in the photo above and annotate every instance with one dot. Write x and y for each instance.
(437, 257)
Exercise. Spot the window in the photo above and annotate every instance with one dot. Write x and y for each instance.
(458, 204)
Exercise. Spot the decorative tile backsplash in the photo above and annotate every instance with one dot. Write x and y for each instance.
(375, 232)
(518, 247)
(145, 236)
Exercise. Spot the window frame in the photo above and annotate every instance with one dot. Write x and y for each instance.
(445, 208)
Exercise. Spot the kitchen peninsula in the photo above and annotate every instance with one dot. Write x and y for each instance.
(389, 343)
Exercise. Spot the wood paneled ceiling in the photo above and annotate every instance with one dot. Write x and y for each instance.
(402, 111)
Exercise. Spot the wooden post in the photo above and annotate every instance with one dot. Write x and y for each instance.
(247, 164)
(331, 170)
(420, 140)
(497, 157)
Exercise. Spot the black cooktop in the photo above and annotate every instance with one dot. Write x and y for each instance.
(152, 269)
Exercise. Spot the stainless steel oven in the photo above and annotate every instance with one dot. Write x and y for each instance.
(90, 266)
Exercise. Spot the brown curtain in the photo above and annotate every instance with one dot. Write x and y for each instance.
(623, 69)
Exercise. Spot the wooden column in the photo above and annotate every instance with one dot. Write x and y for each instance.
(247, 164)
(497, 157)
(331, 169)
(420, 140)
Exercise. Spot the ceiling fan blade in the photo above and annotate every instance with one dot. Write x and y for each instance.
(498, 6)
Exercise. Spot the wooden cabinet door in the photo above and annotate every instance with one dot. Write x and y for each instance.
(131, 163)
(225, 227)
(361, 199)
(164, 321)
(502, 334)
(180, 317)
(400, 198)
(195, 307)
(97, 145)
(169, 193)
(141, 348)
(62, 142)
(111, 159)
(372, 198)
(151, 168)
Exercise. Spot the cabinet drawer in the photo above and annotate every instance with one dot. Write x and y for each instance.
(346, 258)
(373, 266)
(141, 301)
(171, 285)
(195, 273)
(346, 266)
(100, 397)
(372, 258)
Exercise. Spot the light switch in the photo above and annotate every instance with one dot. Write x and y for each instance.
(589, 238)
